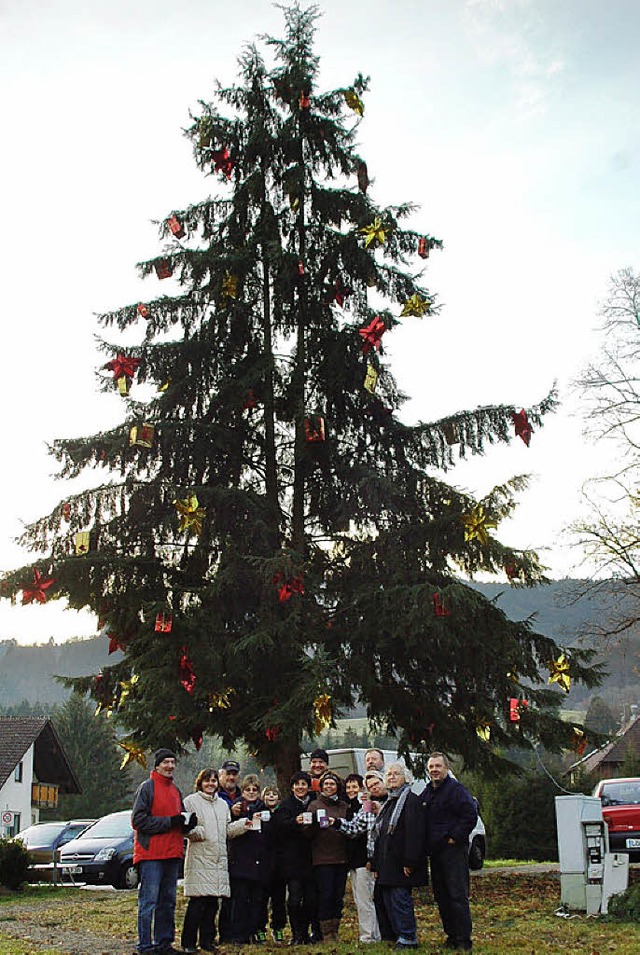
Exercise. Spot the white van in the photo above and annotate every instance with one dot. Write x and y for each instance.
(345, 761)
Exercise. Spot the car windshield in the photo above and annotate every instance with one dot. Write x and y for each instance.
(115, 826)
(620, 794)
(41, 835)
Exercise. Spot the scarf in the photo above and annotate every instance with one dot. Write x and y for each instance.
(396, 798)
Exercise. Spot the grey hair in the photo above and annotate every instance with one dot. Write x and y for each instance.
(408, 776)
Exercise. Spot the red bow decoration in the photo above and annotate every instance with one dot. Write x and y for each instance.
(372, 334)
(515, 708)
(38, 591)
(439, 607)
(250, 401)
(522, 426)
(176, 227)
(222, 161)
(272, 733)
(579, 741)
(164, 269)
(123, 366)
(114, 644)
(187, 673)
(196, 737)
(314, 429)
(143, 310)
(287, 588)
(305, 101)
(423, 248)
(341, 291)
(66, 511)
(164, 623)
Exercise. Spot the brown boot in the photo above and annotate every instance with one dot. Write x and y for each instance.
(327, 929)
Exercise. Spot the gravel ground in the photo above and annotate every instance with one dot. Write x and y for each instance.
(21, 921)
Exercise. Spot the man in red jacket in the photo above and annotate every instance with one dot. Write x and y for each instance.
(159, 821)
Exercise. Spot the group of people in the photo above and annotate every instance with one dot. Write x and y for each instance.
(253, 853)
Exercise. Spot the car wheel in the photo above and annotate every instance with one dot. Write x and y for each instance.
(476, 854)
(127, 877)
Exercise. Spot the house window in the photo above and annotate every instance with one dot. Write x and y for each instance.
(17, 774)
(14, 828)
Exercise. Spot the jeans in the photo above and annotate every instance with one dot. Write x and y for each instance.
(200, 922)
(276, 892)
(157, 903)
(399, 905)
(331, 881)
(450, 882)
(246, 909)
(302, 906)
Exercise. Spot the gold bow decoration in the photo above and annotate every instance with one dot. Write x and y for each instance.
(322, 712)
(221, 701)
(483, 729)
(559, 672)
(191, 514)
(415, 305)
(370, 379)
(353, 101)
(132, 754)
(375, 233)
(230, 285)
(476, 524)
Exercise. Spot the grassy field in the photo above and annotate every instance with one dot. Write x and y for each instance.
(514, 914)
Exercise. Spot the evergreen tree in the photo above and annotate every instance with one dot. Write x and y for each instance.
(89, 742)
(600, 719)
(269, 504)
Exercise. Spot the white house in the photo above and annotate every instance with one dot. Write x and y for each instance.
(34, 769)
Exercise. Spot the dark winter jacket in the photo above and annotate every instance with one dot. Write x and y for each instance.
(357, 846)
(293, 850)
(404, 847)
(252, 855)
(328, 846)
(450, 811)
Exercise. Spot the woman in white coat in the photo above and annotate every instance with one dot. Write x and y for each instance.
(206, 872)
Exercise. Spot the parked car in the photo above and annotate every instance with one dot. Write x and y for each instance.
(477, 842)
(103, 854)
(620, 800)
(44, 838)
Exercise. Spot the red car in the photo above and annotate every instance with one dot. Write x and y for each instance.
(620, 800)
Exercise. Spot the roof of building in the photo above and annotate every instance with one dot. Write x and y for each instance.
(614, 750)
(50, 762)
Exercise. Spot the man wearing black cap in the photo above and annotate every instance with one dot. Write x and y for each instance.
(228, 781)
(228, 790)
(318, 765)
(159, 821)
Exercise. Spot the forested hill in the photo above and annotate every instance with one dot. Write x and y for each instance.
(26, 672)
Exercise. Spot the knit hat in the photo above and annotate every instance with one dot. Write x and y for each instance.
(162, 754)
(320, 754)
(330, 775)
(374, 774)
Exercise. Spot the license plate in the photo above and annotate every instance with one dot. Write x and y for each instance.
(73, 869)
(633, 843)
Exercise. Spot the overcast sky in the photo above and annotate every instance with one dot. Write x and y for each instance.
(513, 123)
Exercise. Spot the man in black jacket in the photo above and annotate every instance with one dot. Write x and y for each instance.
(451, 815)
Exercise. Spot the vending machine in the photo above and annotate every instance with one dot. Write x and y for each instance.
(589, 873)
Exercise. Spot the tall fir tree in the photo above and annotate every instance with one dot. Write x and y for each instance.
(269, 505)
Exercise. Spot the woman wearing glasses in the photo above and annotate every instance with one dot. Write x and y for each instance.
(251, 860)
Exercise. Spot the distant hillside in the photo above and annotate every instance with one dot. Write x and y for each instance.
(26, 672)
